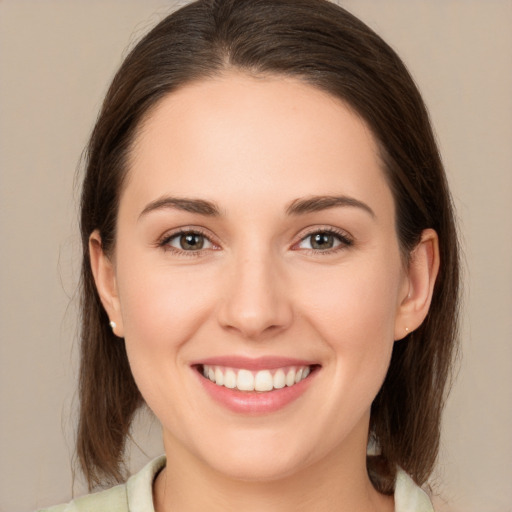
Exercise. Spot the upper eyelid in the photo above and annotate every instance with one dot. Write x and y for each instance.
(172, 233)
(346, 240)
(311, 230)
(163, 243)
(215, 240)
(173, 236)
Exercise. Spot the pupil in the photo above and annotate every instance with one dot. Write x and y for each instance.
(322, 241)
(191, 241)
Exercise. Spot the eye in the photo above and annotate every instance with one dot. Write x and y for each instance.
(187, 241)
(324, 240)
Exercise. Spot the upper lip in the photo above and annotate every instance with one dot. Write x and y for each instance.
(255, 364)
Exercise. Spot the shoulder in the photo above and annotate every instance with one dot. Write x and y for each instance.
(409, 497)
(136, 494)
(113, 500)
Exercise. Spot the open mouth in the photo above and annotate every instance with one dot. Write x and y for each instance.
(264, 380)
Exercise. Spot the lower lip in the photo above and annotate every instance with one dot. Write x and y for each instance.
(254, 402)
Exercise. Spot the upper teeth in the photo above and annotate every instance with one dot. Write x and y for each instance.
(263, 380)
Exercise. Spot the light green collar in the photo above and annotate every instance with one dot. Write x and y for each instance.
(139, 488)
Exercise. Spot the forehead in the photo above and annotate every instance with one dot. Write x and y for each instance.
(240, 135)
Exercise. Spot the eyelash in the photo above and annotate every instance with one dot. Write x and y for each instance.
(168, 237)
(344, 239)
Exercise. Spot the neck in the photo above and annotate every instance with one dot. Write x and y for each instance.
(339, 482)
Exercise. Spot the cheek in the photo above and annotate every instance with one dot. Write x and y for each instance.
(158, 309)
(161, 309)
(157, 321)
(354, 311)
(356, 301)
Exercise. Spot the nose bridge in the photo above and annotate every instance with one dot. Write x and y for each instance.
(255, 301)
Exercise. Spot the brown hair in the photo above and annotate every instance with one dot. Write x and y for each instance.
(323, 45)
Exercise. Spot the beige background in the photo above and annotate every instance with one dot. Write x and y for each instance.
(56, 58)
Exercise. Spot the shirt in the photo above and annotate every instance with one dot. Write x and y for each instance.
(136, 495)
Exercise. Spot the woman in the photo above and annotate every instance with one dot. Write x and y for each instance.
(270, 264)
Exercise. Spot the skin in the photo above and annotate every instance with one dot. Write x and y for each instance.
(253, 146)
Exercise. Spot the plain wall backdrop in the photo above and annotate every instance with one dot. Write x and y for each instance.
(56, 60)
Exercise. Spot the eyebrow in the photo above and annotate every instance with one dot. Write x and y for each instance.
(199, 206)
(299, 206)
(318, 203)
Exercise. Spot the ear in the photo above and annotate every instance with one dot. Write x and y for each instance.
(419, 286)
(105, 278)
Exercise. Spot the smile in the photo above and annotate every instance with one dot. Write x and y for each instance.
(255, 386)
(263, 380)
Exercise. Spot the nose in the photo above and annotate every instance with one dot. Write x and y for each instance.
(255, 302)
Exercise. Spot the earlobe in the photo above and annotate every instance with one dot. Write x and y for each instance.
(105, 280)
(422, 273)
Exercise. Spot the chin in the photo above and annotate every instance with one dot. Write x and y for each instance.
(256, 457)
(262, 469)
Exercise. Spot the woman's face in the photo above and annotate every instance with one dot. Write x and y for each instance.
(256, 245)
